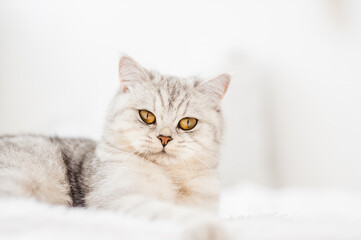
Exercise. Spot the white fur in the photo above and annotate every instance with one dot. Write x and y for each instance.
(132, 175)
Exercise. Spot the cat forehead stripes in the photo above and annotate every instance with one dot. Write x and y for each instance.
(131, 74)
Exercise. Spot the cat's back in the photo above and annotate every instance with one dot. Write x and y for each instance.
(40, 167)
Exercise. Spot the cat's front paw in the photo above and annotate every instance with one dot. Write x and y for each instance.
(207, 230)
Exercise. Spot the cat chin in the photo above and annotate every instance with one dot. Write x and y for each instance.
(162, 158)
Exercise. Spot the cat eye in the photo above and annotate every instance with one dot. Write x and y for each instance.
(147, 116)
(187, 123)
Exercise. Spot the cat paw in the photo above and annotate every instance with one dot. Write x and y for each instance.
(207, 230)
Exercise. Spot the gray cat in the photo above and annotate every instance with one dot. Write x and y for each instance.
(157, 158)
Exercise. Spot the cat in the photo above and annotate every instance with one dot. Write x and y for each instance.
(157, 158)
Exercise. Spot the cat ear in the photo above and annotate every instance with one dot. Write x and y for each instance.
(217, 87)
(130, 73)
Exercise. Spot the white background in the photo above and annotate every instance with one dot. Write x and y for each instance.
(293, 109)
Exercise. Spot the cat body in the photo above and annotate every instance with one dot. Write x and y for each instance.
(157, 158)
(61, 171)
(49, 169)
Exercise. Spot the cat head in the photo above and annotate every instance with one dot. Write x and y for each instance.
(166, 119)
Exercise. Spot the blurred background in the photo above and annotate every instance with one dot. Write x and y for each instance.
(293, 109)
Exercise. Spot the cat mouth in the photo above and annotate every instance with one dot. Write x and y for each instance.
(163, 153)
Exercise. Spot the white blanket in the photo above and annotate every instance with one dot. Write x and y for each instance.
(249, 212)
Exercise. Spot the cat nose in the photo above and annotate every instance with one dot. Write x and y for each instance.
(164, 139)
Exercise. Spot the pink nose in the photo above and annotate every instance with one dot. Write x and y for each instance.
(164, 139)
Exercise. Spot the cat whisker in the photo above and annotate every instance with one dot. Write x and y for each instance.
(202, 161)
(206, 165)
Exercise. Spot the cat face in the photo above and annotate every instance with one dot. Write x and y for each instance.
(165, 119)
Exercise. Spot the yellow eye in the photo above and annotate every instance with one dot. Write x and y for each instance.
(187, 123)
(147, 116)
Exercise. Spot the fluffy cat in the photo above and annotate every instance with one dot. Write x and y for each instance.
(157, 158)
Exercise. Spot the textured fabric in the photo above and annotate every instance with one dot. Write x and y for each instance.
(249, 212)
